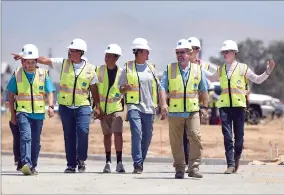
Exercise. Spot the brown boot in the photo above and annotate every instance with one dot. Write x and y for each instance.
(230, 170)
(195, 173)
(237, 164)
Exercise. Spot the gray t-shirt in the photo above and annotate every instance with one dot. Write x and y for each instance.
(145, 78)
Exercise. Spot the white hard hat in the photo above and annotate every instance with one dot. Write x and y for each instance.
(183, 44)
(114, 49)
(140, 43)
(194, 42)
(229, 45)
(30, 51)
(84, 58)
(78, 44)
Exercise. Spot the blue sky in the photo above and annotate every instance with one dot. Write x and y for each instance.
(55, 24)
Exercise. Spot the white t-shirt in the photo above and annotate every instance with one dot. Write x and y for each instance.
(77, 67)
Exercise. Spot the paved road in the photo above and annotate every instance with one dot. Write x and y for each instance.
(156, 179)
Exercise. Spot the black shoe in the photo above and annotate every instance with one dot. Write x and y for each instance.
(81, 166)
(138, 169)
(179, 175)
(19, 166)
(70, 170)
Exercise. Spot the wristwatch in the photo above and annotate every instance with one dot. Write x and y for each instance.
(51, 107)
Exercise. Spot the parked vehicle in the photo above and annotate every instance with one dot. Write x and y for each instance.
(278, 108)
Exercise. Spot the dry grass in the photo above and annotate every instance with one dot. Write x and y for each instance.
(256, 145)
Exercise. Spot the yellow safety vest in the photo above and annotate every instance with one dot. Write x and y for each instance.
(234, 90)
(183, 97)
(75, 90)
(30, 97)
(110, 98)
(133, 96)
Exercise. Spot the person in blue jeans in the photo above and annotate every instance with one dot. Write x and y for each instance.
(139, 83)
(29, 85)
(78, 78)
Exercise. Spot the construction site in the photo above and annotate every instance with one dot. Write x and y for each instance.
(262, 157)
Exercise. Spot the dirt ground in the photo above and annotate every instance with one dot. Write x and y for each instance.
(256, 147)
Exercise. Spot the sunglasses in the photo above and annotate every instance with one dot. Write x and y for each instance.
(195, 48)
(226, 52)
(181, 52)
(74, 50)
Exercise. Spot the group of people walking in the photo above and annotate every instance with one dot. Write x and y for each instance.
(182, 95)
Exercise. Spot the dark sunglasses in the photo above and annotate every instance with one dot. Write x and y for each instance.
(181, 52)
(195, 48)
(74, 50)
(226, 52)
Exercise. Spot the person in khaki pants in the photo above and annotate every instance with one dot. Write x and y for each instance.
(111, 106)
(185, 83)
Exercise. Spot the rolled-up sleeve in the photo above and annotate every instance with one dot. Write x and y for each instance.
(164, 84)
(203, 85)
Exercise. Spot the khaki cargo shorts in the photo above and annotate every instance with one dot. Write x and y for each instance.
(112, 123)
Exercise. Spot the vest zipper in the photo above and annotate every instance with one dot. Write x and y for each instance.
(75, 82)
(230, 95)
(32, 97)
(74, 88)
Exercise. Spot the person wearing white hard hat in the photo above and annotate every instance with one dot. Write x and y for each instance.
(184, 84)
(111, 106)
(30, 84)
(233, 77)
(78, 78)
(139, 84)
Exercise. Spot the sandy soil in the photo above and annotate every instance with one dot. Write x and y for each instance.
(257, 139)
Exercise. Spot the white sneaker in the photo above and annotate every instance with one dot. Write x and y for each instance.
(107, 168)
(120, 168)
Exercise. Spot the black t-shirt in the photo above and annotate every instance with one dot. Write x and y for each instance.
(111, 76)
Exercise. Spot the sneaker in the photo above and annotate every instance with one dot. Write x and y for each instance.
(230, 170)
(34, 171)
(138, 169)
(195, 173)
(107, 168)
(26, 170)
(120, 168)
(179, 175)
(81, 166)
(19, 166)
(70, 170)
(16, 163)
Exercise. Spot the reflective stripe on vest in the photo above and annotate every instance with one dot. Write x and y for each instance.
(110, 98)
(183, 97)
(75, 89)
(234, 90)
(133, 96)
(30, 97)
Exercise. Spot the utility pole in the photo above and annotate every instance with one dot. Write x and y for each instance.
(200, 52)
